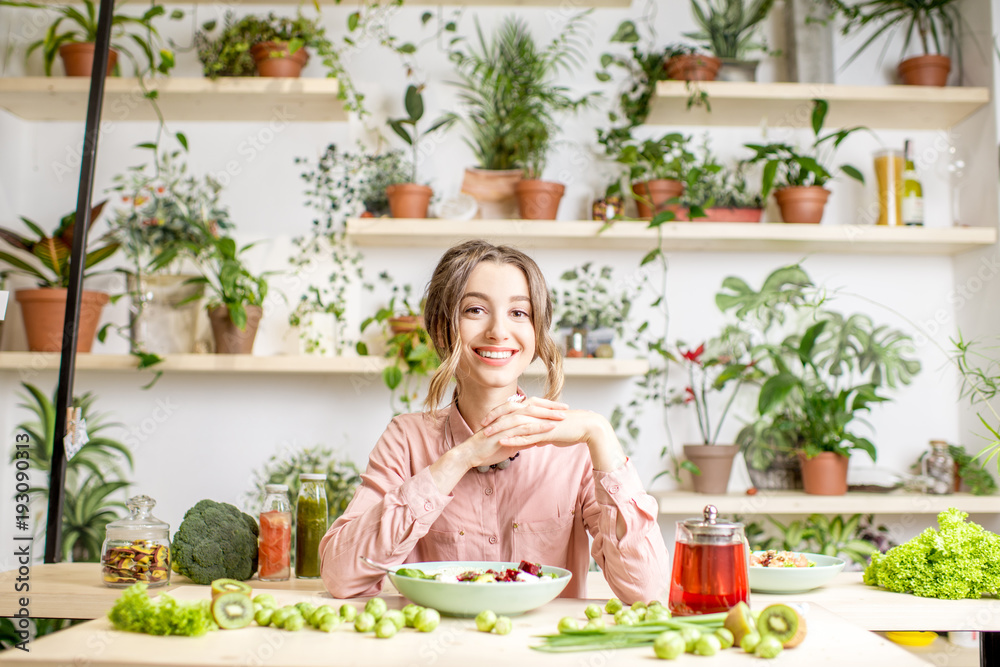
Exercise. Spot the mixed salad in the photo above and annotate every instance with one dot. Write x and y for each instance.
(773, 558)
(525, 572)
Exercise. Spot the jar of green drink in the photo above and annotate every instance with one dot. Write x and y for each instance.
(310, 518)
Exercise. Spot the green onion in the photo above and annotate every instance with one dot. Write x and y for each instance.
(643, 633)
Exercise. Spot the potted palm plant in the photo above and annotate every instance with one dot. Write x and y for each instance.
(728, 28)
(507, 84)
(410, 199)
(76, 45)
(821, 370)
(165, 219)
(47, 260)
(936, 25)
(798, 177)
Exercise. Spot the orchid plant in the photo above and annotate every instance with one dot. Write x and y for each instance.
(721, 364)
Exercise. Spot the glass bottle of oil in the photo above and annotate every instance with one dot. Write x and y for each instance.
(913, 191)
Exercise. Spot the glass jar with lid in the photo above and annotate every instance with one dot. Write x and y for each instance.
(939, 468)
(275, 535)
(137, 547)
(311, 512)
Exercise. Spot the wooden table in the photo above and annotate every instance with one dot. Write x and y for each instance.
(832, 640)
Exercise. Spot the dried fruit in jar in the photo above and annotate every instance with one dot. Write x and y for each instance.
(137, 561)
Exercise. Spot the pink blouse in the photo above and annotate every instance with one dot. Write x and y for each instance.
(539, 509)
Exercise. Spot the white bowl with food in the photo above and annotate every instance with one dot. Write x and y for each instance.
(791, 571)
(465, 588)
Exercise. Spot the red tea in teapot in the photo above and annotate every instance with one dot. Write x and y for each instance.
(708, 578)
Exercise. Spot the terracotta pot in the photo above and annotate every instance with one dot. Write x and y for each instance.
(715, 463)
(78, 59)
(693, 67)
(725, 215)
(409, 200)
(802, 204)
(824, 474)
(405, 323)
(44, 312)
(657, 192)
(539, 200)
(495, 190)
(278, 65)
(925, 70)
(228, 337)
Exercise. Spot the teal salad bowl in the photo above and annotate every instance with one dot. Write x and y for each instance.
(466, 599)
(795, 579)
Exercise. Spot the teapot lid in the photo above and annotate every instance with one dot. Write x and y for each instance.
(710, 526)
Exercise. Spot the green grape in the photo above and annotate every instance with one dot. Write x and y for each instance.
(427, 620)
(376, 607)
(568, 623)
(669, 645)
(485, 620)
(348, 612)
(364, 622)
(386, 628)
(266, 600)
(330, 622)
(769, 647)
(725, 637)
(749, 642)
(410, 612)
(294, 623)
(613, 606)
(503, 625)
(707, 644)
(263, 616)
(593, 611)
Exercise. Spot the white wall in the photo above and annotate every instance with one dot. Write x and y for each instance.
(221, 427)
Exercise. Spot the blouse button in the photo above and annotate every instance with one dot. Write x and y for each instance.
(613, 489)
(489, 492)
(493, 539)
(428, 507)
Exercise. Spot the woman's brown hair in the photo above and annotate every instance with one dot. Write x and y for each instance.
(443, 300)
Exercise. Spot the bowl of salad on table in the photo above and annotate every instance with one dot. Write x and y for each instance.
(791, 571)
(465, 588)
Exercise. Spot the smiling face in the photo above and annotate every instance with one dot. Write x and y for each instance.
(495, 328)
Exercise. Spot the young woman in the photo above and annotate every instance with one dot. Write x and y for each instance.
(496, 475)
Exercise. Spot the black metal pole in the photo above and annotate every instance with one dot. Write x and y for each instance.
(64, 394)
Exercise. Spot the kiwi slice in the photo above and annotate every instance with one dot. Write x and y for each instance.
(783, 623)
(739, 621)
(232, 610)
(223, 586)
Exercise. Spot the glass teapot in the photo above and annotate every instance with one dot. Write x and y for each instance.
(710, 571)
(137, 547)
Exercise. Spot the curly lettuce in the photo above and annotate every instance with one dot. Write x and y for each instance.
(959, 560)
(135, 611)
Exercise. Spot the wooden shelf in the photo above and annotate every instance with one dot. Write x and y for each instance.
(790, 105)
(225, 99)
(798, 502)
(422, 3)
(221, 363)
(677, 236)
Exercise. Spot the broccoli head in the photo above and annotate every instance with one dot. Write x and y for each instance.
(960, 560)
(215, 540)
